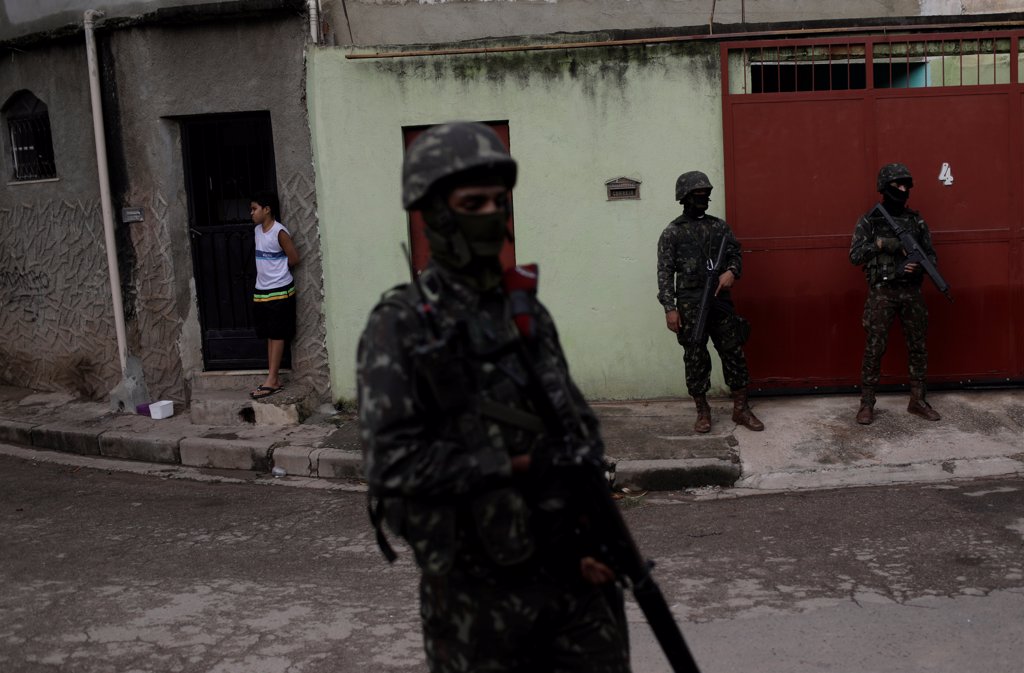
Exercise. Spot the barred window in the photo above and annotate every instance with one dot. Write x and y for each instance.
(28, 126)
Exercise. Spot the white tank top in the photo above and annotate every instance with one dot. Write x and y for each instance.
(271, 260)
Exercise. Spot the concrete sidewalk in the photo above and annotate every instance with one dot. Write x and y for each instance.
(809, 441)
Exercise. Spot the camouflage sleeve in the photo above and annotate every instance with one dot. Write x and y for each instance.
(403, 456)
(666, 272)
(862, 247)
(733, 258)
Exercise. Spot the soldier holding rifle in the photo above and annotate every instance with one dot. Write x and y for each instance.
(481, 452)
(695, 274)
(893, 244)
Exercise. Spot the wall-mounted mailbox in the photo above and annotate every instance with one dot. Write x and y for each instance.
(129, 215)
(622, 189)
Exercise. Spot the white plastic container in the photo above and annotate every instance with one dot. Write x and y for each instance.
(161, 409)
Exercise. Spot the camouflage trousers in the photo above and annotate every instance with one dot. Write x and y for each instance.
(884, 304)
(527, 623)
(726, 331)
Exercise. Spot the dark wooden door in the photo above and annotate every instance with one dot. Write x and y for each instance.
(228, 158)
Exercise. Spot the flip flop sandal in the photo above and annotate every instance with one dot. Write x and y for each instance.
(264, 391)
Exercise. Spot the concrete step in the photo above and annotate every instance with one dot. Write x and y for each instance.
(291, 406)
(243, 379)
(221, 407)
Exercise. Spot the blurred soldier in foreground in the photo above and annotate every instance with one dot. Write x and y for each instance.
(894, 288)
(450, 371)
(698, 261)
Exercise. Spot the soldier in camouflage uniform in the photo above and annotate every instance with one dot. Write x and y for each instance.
(684, 249)
(894, 290)
(454, 443)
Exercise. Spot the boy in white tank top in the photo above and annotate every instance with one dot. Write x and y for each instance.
(274, 296)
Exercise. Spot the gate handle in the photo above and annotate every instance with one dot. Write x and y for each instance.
(194, 231)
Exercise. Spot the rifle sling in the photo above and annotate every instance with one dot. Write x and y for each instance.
(511, 416)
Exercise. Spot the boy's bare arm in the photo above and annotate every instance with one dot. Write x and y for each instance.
(289, 248)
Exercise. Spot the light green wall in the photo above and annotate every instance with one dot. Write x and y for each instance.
(577, 118)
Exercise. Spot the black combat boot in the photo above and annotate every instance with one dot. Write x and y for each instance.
(741, 413)
(703, 423)
(866, 413)
(918, 406)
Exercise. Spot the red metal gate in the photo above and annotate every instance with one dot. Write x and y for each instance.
(807, 125)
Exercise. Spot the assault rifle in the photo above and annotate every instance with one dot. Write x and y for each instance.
(915, 254)
(584, 481)
(707, 297)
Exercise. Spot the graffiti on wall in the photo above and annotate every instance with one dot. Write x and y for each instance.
(55, 308)
(21, 288)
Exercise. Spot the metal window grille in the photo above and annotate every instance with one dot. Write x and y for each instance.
(789, 68)
(945, 62)
(32, 147)
(874, 63)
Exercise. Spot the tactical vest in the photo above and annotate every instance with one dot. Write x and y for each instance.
(472, 372)
(884, 267)
(696, 244)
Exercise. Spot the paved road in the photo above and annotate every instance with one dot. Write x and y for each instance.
(108, 571)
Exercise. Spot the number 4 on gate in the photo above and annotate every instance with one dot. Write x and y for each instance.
(946, 175)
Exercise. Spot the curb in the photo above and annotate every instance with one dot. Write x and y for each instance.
(263, 454)
(68, 438)
(676, 475)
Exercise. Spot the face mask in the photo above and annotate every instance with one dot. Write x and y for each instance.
(468, 245)
(696, 204)
(895, 196)
(486, 234)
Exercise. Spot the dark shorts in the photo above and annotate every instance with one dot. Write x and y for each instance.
(273, 313)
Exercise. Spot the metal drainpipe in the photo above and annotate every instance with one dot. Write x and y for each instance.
(101, 166)
(314, 20)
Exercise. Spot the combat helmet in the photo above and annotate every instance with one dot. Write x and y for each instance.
(891, 173)
(690, 181)
(446, 150)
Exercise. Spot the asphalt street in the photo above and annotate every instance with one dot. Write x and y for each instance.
(103, 570)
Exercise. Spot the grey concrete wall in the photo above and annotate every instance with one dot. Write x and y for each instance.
(24, 17)
(165, 73)
(55, 309)
(395, 22)
(56, 319)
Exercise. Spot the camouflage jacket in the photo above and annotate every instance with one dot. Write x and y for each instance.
(881, 266)
(435, 396)
(684, 248)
